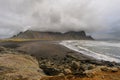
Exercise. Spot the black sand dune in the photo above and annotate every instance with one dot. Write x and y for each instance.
(43, 49)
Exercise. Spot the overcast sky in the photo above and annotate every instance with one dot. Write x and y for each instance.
(101, 18)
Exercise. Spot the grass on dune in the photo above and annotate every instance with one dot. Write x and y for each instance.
(17, 40)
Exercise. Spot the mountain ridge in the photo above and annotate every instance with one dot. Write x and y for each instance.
(71, 35)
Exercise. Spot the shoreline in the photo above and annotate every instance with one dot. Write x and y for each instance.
(50, 50)
(87, 52)
(39, 47)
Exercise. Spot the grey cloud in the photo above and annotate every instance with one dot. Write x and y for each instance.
(59, 16)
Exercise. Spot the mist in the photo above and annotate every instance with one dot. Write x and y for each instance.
(99, 18)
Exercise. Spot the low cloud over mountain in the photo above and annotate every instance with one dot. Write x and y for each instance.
(96, 17)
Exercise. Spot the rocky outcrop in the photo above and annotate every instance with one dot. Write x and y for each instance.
(76, 67)
(53, 35)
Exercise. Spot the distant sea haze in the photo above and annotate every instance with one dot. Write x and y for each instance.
(101, 50)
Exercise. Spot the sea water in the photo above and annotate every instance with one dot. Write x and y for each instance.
(102, 50)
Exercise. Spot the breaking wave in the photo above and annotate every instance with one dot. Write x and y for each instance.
(101, 50)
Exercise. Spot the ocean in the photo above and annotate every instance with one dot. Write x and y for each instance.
(101, 50)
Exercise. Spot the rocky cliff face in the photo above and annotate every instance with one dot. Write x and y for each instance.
(81, 35)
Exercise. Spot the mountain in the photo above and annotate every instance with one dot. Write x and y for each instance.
(71, 35)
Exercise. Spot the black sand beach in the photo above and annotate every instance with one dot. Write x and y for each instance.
(43, 49)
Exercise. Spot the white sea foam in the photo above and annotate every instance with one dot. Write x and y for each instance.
(101, 43)
(81, 46)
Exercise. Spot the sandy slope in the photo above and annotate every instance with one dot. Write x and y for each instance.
(19, 67)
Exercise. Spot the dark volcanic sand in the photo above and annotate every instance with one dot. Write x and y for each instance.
(44, 49)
